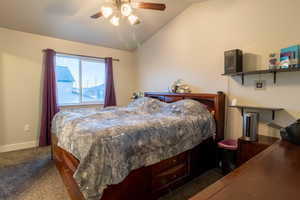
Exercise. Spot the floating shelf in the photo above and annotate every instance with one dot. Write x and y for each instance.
(243, 107)
(267, 71)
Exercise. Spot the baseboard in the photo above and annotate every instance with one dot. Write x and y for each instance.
(18, 146)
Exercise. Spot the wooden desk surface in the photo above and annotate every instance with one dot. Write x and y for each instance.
(273, 174)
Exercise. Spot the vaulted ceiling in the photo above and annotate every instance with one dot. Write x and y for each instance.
(70, 20)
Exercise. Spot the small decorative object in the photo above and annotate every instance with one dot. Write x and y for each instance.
(137, 95)
(289, 57)
(273, 61)
(260, 84)
(234, 102)
(180, 87)
(284, 62)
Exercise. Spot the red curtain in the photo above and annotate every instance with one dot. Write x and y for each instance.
(49, 101)
(110, 96)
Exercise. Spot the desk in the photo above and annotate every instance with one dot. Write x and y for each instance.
(273, 174)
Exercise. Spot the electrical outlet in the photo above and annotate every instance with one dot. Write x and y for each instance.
(260, 84)
(27, 128)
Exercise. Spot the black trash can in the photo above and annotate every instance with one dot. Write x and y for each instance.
(228, 155)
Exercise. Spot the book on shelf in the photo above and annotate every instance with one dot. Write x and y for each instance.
(289, 57)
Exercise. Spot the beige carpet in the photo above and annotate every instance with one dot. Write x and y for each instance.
(48, 186)
(31, 175)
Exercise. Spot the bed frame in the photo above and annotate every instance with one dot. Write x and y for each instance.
(153, 181)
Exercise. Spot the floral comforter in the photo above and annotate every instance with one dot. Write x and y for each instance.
(110, 143)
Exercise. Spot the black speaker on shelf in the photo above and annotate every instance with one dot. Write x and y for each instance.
(233, 61)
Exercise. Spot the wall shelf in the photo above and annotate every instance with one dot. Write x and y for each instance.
(243, 107)
(267, 71)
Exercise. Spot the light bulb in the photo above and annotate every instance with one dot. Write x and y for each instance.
(106, 11)
(133, 19)
(126, 9)
(115, 21)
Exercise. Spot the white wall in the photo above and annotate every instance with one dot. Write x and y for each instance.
(192, 46)
(21, 76)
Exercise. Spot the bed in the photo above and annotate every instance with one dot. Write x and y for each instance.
(151, 176)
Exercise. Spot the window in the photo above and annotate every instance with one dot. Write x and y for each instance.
(79, 80)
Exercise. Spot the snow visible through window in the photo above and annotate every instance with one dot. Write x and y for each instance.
(79, 80)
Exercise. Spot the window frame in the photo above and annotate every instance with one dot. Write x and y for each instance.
(81, 58)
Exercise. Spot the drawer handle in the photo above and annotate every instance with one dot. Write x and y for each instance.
(175, 176)
(174, 161)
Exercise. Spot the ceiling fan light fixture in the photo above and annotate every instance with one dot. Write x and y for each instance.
(115, 21)
(126, 9)
(116, 10)
(133, 19)
(106, 11)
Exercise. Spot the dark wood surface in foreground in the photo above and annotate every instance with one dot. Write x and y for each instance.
(273, 174)
(150, 182)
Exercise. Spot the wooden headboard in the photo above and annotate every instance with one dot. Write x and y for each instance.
(214, 102)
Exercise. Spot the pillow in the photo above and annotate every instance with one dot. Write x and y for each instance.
(146, 104)
(186, 107)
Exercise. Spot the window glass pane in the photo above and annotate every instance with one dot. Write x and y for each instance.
(67, 80)
(93, 78)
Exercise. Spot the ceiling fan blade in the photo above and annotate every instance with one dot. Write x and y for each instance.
(153, 6)
(97, 15)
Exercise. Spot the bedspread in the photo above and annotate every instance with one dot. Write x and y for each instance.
(111, 142)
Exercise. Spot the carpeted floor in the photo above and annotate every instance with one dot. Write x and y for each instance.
(31, 175)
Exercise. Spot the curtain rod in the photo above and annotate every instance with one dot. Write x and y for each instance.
(69, 54)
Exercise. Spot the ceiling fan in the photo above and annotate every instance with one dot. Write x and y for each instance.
(124, 8)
